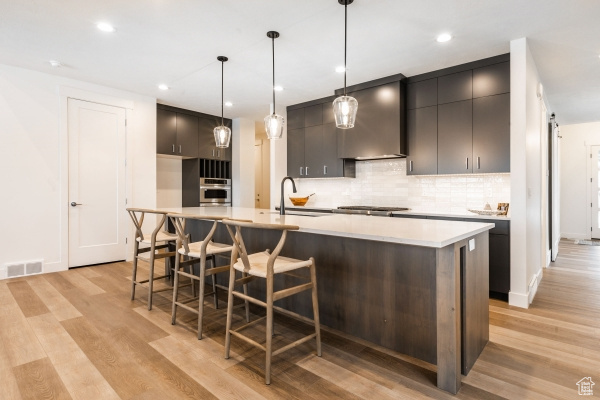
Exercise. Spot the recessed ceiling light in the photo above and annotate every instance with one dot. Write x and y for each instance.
(444, 37)
(55, 63)
(278, 88)
(162, 86)
(105, 27)
(340, 69)
(228, 104)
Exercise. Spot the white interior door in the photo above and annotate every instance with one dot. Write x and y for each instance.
(595, 191)
(97, 149)
(258, 173)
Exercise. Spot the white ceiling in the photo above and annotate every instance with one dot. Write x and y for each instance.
(177, 43)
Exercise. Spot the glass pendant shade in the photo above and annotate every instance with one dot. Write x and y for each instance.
(274, 126)
(222, 136)
(344, 110)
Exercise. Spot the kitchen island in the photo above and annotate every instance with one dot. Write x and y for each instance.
(419, 287)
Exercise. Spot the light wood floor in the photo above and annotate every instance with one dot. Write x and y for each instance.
(76, 334)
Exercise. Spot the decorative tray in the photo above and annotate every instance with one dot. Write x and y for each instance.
(487, 212)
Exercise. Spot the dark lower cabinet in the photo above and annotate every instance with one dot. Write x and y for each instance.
(455, 138)
(295, 150)
(499, 251)
(422, 137)
(491, 134)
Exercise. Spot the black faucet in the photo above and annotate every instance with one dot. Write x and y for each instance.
(282, 205)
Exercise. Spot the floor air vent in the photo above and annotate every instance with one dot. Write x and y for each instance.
(24, 268)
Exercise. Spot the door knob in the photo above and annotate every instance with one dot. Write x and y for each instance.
(73, 204)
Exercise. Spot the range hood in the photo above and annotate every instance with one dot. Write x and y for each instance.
(380, 129)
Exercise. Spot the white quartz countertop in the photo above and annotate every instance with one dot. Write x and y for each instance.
(410, 231)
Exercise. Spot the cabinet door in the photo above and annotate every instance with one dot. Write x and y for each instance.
(313, 115)
(295, 118)
(455, 138)
(295, 152)
(187, 136)
(500, 263)
(166, 131)
(313, 152)
(491, 134)
(333, 167)
(422, 94)
(206, 138)
(422, 132)
(455, 87)
(377, 128)
(328, 117)
(491, 80)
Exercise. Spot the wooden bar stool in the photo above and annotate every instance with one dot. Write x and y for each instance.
(266, 265)
(197, 252)
(157, 240)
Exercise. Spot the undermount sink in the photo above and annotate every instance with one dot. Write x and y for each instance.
(302, 214)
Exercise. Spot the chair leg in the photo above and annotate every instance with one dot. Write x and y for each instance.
(151, 278)
(315, 301)
(247, 304)
(136, 247)
(269, 330)
(214, 282)
(229, 311)
(201, 295)
(192, 280)
(175, 289)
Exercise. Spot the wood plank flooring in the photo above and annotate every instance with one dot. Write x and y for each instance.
(76, 335)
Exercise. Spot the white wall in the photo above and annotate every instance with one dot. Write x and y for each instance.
(278, 164)
(168, 182)
(527, 141)
(574, 176)
(242, 174)
(385, 183)
(264, 165)
(33, 160)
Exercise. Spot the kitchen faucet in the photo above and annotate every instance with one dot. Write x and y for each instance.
(282, 205)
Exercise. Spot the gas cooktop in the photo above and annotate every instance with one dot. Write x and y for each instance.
(368, 210)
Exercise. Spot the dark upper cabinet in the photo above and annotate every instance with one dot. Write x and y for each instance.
(491, 80)
(295, 118)
(455, 137)
(422, 94)
(455, 87)
(313, 152)
(328, 117)
(491, 134)
(295, 151)
(187, 135)
(313, 115)
(422, 137)
(378, 128)
(166, 132)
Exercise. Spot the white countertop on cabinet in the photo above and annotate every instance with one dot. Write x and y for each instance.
(410, 231)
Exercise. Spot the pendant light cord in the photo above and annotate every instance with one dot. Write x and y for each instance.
(345, 41)
(273, 47)
(222, 69)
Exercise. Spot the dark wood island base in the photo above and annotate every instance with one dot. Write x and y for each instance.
(429, 303)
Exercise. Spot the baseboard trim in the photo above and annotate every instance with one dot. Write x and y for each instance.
(575, 236)
(533, 285)
(518, 299)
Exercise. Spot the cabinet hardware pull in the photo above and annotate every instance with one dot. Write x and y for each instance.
(179, 149)
(218, 153)
(411, 166)
(325, 170)
(213, 152)
(301, 171)
(478, 162)
(467, 162)
(173, 149)
(306, 171)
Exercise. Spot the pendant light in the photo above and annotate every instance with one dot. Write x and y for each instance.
(345, 107)
(222, 133)
(274, 122)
